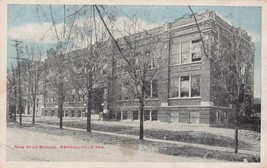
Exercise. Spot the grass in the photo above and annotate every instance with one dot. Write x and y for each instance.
(199, 137)
(190, 151)
(148, 146)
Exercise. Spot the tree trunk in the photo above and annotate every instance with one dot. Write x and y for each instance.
(15, 98)
(15, 113)
(60, 105)
(89, 115)
(20, 103)
(28, 108)
(236, 128)
(33, 112)
(141, 109)
(89, 103)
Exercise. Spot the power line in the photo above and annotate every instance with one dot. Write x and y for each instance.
(64, 18)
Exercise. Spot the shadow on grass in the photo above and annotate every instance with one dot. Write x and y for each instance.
(198, 137)
(190, 151)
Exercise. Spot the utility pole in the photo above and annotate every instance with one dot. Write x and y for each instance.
(17, 44)
(61, 84)
(15, 92)
(60, 91)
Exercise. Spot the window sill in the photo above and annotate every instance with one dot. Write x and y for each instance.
(122, 100)
(151, 68)
(183, 98)
(186, 63)
(151, 99)
(137, 70)
(146, 99)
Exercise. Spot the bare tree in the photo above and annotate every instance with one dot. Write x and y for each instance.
(139, 61)
(77, 61)
(63, 37)
(33, 78)
(234, 66)
(232, 59)
(11, 94)
(86, 69)
(88, 66)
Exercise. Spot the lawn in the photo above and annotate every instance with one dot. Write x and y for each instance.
(189, 136)
(190, 151)
(148, 146)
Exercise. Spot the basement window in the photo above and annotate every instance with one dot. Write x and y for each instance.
(124, 115)
(135, 115)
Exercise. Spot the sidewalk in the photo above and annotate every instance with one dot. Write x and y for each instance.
(164, 141)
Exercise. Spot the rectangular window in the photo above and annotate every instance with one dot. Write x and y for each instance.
(118, 115)
(195, 85)
(147, 115)
(154, 88)
(124, 115)
(196, 50)
(185, 50)
(185, 86)
(124, 90)
(119, 93)
(152, 63)
(225, 118)
(66, 113)
(37, 102)
(52, 113)
(137, 90)
(147, 89)
(135, 115)
(174, 87)
(154, 115)
(221, 118)
(175, 54)
(72, 113)
(151, 89)
(217, 117)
